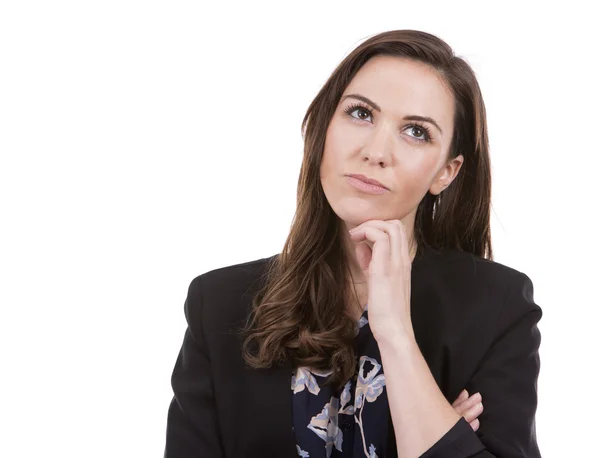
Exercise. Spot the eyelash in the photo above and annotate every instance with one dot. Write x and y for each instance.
(423, 127)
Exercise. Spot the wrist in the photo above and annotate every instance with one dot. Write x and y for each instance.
(401, 339)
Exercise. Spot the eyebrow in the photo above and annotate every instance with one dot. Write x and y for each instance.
(407, 117)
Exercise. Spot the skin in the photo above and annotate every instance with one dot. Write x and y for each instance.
(385, 147)
(382, 145)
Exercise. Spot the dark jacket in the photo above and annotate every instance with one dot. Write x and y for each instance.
(475, 322)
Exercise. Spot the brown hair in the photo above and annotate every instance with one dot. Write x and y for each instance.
(300, 315)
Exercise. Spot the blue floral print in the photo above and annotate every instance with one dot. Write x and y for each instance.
(350, 423)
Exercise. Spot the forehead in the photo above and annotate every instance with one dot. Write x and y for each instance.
(402, 86)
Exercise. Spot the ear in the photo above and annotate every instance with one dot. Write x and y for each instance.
(446, 175)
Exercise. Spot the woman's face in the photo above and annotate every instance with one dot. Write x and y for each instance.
(373, 132)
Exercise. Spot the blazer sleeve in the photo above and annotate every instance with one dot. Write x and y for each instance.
(507, 380)
(192, 427)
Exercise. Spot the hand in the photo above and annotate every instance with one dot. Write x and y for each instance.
(385, 261)
(469, 407)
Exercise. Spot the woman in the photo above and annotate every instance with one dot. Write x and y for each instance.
(385, 304)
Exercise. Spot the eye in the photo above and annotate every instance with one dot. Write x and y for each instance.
(361, 110)
(420, 132)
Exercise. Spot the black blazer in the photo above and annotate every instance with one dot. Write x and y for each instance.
(475, 322)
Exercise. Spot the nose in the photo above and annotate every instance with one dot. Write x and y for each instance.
(379, 147)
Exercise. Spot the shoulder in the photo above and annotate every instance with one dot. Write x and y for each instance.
(472, 301)
(465, 268)
(233, 277)
(475, 283)
(222, 296)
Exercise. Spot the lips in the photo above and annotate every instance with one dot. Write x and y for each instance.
(368, 180)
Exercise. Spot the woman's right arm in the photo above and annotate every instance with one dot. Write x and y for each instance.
(192, 427)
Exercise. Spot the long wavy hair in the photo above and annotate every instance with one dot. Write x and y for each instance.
(300, 314)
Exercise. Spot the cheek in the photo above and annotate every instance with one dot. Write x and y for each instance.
(333, 152)
(326, 161)
(415, 177)
(341, 139)
(419, 166)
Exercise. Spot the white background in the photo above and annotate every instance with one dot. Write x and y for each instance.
(146, 142)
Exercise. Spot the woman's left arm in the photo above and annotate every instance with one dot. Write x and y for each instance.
(426, 425)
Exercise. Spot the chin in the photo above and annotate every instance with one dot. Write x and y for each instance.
(355, 211)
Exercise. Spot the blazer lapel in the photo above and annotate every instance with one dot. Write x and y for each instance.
(268, 397)
(264, 400)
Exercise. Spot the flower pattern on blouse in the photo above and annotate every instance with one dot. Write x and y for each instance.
(328, 424)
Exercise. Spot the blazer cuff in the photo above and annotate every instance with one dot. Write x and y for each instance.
(459, 442)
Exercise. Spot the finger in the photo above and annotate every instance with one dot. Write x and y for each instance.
(465, 405)
(473, 412)
(398, 240)
(464, 394)
(396, 233)
(399, 244)
(380, 264)
(472, 400)
(475, 424)
(398, 237)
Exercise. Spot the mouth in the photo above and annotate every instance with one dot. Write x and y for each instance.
(368, 180)
(366, 185)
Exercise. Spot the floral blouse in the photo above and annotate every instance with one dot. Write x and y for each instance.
(352, 423)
